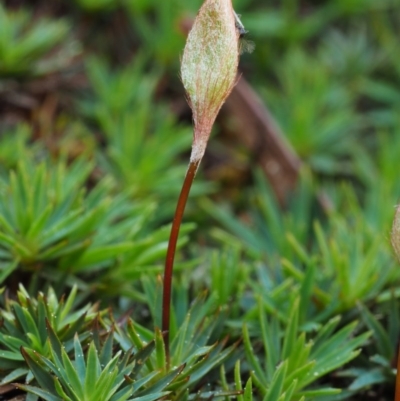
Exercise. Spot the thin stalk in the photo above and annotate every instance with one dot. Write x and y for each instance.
(397, 390)
(169, 261)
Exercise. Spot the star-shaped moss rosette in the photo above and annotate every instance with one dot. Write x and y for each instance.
(208, 71)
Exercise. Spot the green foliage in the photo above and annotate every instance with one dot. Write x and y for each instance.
(100, 377)
(267, 235)
(51, 226)
(144, 257)
(382, 183)
(351, 57)
(352, 261)
(324, 126)
(272, 305)
(23, 46)
(284, 24)
(14, 146)
(245, 394)
(342, 257)
(116, 92)
(387, 96)
(26, 322)
(190, 337)
(226, 279)
(45, 216)
(188, 350)
(376, 365)
(96, 6)
(158, 26)
(70, 367)
(292, 363)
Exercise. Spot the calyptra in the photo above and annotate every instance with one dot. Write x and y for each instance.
(209, 67)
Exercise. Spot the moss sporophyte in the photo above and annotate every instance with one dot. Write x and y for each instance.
(208, 71)
(395, 237)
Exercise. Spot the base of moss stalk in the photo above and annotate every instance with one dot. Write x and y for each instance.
(173, 239)
(397, 385)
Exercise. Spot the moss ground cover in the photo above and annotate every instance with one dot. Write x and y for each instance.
(271, 300)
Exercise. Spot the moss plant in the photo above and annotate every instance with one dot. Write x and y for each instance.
(208, 70)
(305, 299)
